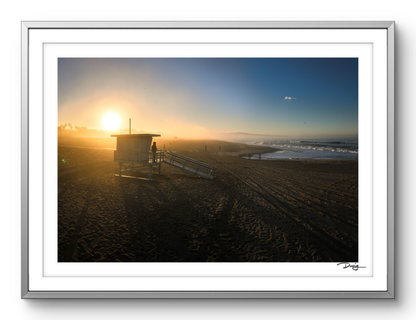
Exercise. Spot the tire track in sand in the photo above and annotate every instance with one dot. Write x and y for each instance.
(326, 239)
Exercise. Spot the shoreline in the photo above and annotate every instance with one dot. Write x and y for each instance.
(240, 150)
(253, 211)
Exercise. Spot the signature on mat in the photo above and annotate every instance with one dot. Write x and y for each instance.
(353, 266)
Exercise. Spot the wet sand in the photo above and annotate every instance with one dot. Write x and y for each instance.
(253, 211)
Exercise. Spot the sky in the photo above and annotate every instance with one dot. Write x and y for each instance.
(207, 97)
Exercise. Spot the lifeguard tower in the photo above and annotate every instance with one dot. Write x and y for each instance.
(133, 155)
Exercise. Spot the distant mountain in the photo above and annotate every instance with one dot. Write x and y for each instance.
(239, 136)
(254, 134)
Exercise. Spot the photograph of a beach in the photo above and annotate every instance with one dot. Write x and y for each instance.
(207, 160)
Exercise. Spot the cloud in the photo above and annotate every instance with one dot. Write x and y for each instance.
(290, 98)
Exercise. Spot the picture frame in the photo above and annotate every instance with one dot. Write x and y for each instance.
(45, 41)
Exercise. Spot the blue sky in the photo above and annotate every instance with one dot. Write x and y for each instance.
(201, 97)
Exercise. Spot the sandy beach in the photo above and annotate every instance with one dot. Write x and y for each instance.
(253, 211)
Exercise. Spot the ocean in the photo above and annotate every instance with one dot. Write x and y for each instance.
(309, 149)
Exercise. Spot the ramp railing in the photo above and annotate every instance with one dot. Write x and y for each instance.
(190, 165)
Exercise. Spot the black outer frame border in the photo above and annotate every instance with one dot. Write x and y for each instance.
(26, 26)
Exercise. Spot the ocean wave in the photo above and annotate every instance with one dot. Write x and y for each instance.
(317, 148)
(312, 148)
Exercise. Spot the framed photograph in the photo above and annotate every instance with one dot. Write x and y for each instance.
(207, 159)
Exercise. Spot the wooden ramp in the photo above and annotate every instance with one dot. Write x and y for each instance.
(189, 165)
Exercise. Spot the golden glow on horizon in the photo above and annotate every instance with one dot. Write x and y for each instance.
(111, 121)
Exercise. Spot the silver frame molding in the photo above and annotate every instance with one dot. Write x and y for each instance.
(26, 26)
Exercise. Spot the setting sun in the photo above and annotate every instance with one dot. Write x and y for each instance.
(111, 121)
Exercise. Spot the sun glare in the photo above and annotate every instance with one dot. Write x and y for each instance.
(111, 121)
